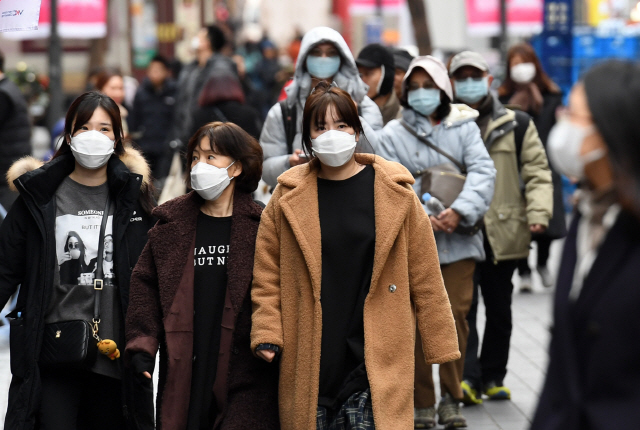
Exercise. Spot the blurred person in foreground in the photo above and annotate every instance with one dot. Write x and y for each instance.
(207, 45)
(346, 268)
(515, 212)
(593, 375)
(222, 99)
(428, 111)
(152, 115)
(15, 132)
(529, 88)
(376, 66)
(401, 61)
(324, 56)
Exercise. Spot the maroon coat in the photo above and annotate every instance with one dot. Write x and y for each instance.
(161, 314)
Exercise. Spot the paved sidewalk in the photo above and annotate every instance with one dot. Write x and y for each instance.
(527, 362)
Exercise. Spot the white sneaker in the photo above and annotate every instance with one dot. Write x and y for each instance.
(525, 283)
(547, 279)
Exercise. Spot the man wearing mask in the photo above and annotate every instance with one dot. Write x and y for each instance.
(376, 67)
(515, 212)
(324, 56)
(15, 131)
(207, 45)
(401, 60)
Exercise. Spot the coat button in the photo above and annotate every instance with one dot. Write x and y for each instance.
(392, 288)
(501, 216)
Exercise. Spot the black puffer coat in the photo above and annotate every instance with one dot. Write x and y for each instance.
(28, 258)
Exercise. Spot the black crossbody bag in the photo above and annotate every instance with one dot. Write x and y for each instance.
(74, 343)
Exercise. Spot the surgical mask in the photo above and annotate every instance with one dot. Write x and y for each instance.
(472, 90)
(209, 181)
(334, 148)
(423, 100)
(564, 145)
(523, 73)
(195, 43)
(322, 67)
(91, 149)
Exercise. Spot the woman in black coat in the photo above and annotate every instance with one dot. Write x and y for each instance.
(593, 375)
(67, 194)
(529, 88)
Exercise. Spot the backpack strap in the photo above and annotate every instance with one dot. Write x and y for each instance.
(289, 119)
(522, 119)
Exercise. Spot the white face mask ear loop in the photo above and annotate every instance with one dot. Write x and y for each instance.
(380, 81)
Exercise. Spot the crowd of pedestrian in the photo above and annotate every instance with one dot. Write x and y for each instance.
(402, 190)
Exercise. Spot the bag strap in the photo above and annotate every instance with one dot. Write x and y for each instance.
(426, 141)
(219, 114)
(98, 281)
(289, 117)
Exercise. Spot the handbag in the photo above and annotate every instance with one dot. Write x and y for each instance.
(174, 185)
(74, 343)
(444, 181)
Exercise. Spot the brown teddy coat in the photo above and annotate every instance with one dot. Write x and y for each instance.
(161, 315)
(406, 283)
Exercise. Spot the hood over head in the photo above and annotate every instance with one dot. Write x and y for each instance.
(436, 69)
(347, 78)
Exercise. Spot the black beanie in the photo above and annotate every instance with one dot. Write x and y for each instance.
(376, 55)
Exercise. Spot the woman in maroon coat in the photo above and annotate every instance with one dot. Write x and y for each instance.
(190, 294)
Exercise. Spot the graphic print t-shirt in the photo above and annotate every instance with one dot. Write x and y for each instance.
(79, 210)
(210, 261)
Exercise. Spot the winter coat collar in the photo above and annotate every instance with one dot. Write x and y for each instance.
(392, 189)
(41, 180)
(169, 86)
(347, 78)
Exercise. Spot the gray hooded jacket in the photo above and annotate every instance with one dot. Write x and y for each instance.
(459, 136)
(273, 136)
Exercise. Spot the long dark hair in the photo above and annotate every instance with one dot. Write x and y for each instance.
(528, 55)
(319, 101)
(81, 111)
(80, 245)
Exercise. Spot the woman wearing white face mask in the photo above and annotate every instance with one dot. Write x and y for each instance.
(190, 293)
(345, 262)
(592, 378)
(49, 244)
(529, 88)
(429, 114)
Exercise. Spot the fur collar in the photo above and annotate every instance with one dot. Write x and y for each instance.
(132, 158)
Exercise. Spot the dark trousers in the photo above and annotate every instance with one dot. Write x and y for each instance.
(544, 244)
(79, 400)
(494, 280)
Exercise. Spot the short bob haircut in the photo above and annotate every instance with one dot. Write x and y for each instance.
(319, 101)
(232, 141)
(81, 111)
(441, 111)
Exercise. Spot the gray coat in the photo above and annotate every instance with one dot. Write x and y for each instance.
(459, 136)
(273, 137)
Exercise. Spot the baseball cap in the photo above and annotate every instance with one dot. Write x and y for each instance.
(402, 59)
(468, 58)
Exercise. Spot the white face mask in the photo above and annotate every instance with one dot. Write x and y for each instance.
(195, 43)
(91, 149)
(564, 145)
(210, 181)
(523, 73)
(334, 148)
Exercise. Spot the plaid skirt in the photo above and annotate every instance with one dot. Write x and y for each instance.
(355, 414)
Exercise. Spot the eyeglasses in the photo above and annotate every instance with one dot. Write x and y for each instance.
(74, 245)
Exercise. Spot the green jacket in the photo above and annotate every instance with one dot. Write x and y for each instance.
(512, 211)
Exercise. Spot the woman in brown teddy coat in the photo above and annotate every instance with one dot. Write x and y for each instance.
(190, 294)
(345, 264)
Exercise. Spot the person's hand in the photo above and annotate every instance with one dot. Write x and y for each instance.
(537, 228)
(266, 354)
(295, 158)
(64, 257)
(449, 220)
(436, 225)
(147, 374)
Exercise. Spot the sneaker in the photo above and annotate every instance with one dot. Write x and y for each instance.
(497, 391)
(547, 280)
(469, 394)
(424, 418)
(449, 413)
(525, 283)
